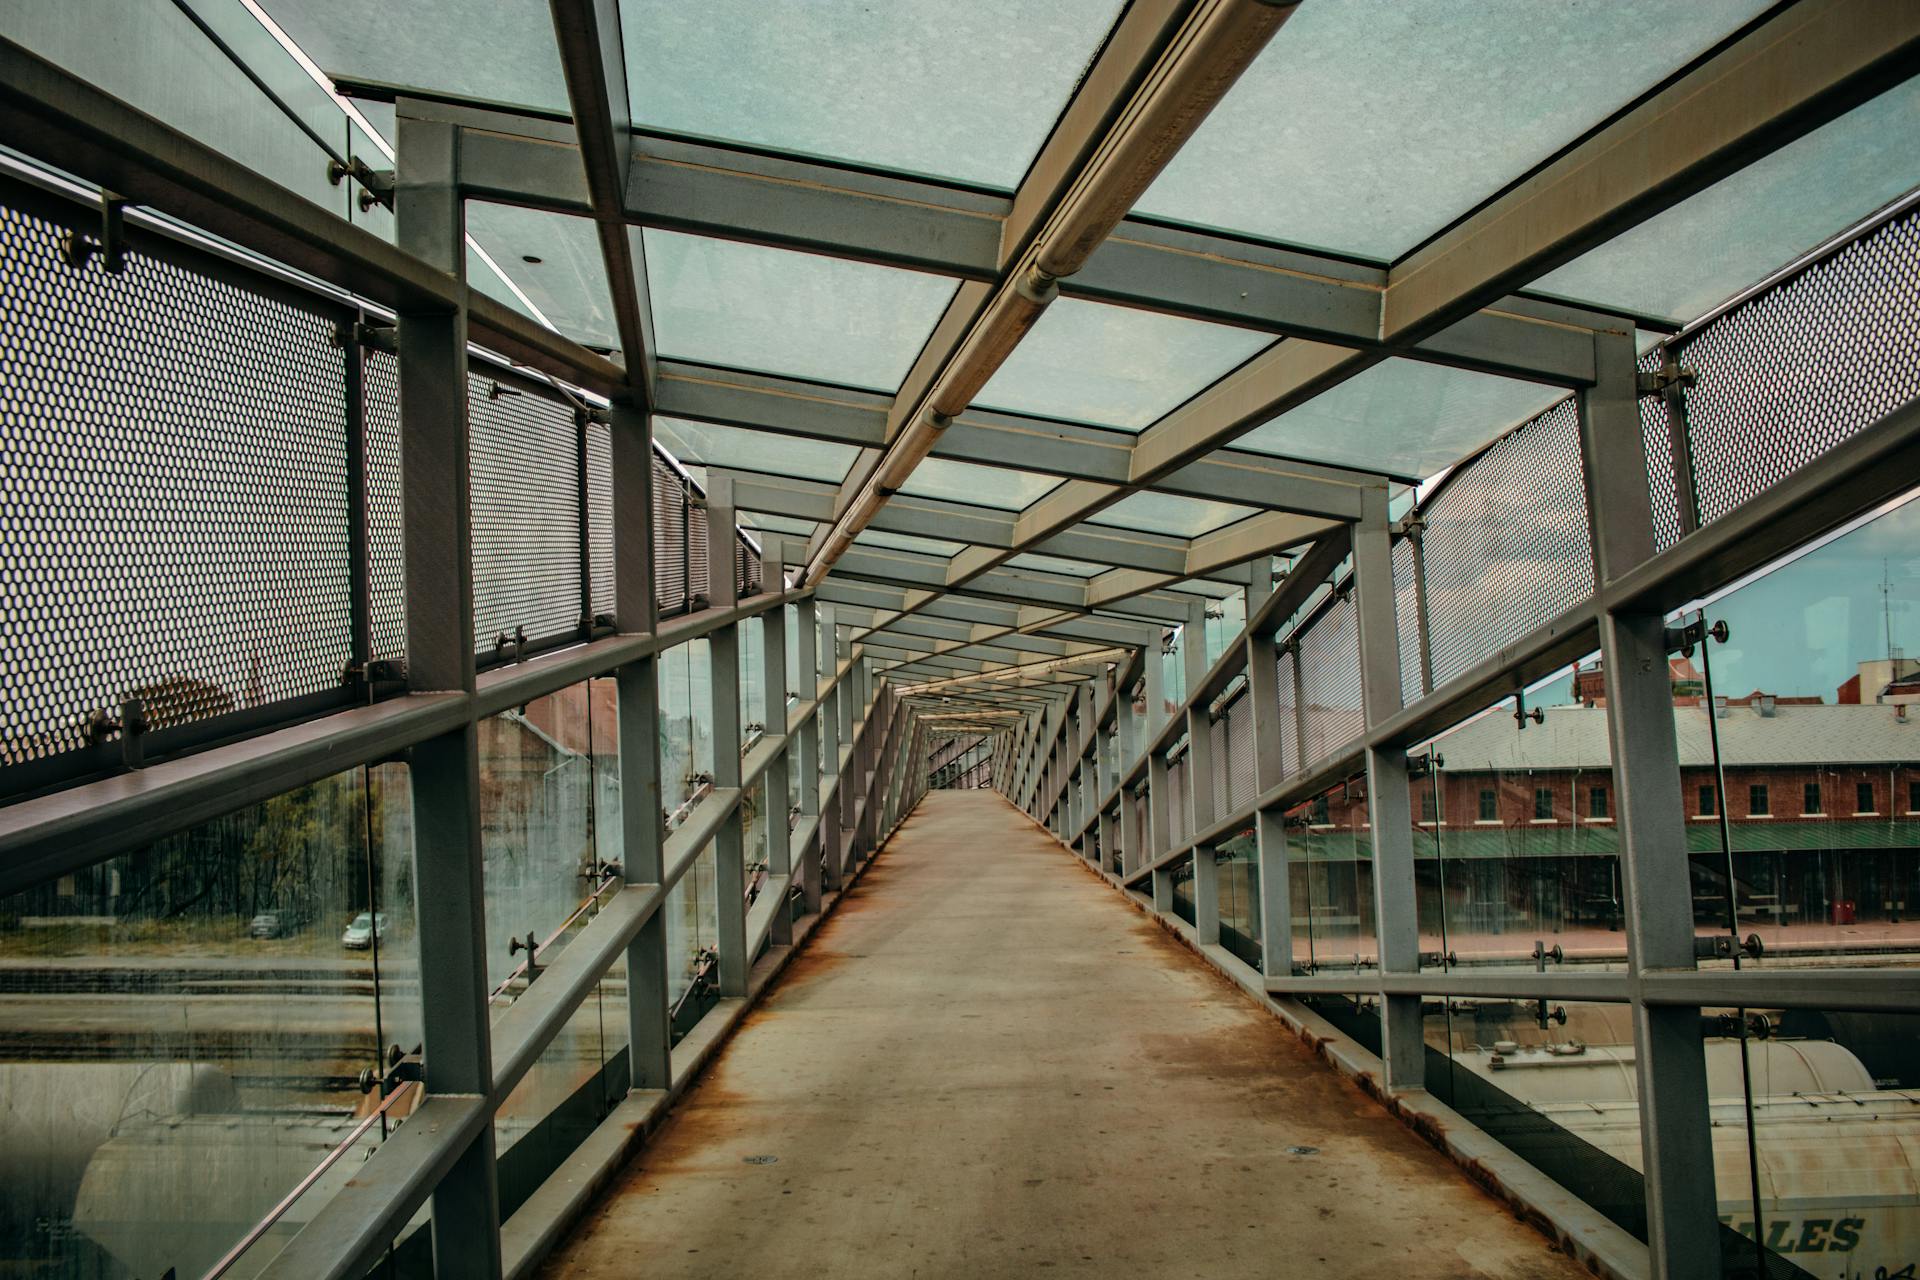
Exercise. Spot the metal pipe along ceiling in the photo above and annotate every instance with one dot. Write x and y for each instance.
(1217, 44)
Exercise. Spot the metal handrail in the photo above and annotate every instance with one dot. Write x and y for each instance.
(591, 900)
(305, 1184)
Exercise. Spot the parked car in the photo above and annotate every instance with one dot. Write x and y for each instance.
(273, 924)
(362, 931)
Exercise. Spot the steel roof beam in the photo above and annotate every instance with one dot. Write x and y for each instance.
(588, 32)
(1071, 450)
(734, 193)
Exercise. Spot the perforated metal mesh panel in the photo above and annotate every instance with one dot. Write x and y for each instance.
(1507, 544)
(175, 502)
(1289, 713)
(1177, 802)
(1656, 428)
(669, 540)
(699, 566)
(1330, 682)
(1784, 377)
(526, 514)
(1222, 766)
(600, 514)
(386, 541)
(1406, 609)
(1239, 764)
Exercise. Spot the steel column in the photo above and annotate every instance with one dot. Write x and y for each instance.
(729, 853)
(1390, 811)
(1676, 1139)
(1270, 826)
(1199, 788)
(642, 817)
(449, 880)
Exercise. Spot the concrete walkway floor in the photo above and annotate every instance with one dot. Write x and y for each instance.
(988, 1065)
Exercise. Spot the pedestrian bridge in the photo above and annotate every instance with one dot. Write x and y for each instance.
(987, 1062)
(1155, 637)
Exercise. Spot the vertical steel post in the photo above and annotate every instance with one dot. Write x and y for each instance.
(1390, 812)
(807, 763)
(776, 801)
(1200, 767)
(845, 766)
(1159, 830)
(1269, 826)
(450, 889)
(828, 719)
(642, 815)
(1676, 1139)
(729, 852)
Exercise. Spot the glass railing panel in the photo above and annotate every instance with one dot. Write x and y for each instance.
(188, 1027)
(1799, 740)
(1516, 849)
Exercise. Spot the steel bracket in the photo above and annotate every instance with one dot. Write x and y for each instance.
(77, 250)
(1685, 639)
(1725, 946)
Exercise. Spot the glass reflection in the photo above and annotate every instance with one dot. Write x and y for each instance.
(1516, 852)
(1800, 752)
(187, 1026)
(1330, 865)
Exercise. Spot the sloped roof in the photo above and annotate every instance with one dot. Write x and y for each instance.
(1575, 737)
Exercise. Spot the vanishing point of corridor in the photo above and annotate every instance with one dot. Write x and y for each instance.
(986, 1064)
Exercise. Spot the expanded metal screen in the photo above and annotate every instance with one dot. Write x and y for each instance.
(699, 568)
(1406, 610)
(1507, 543)
(1177, 825)
(386, 540)
(1792, 372)
(175, 501)
(1329, 656)
(1239, 770)
(1656, 428)
(669, 540)
(1285, 669)
(526, 513)
(600, 515)
(1222, 766)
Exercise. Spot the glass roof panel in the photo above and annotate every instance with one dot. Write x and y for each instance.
(555, 259)
(1171, 514)
(1114, 366)
(479, 48)
(1056, 564)
(779, 524)
(738, 449)
(983, 486)
(1682, 263)
(1402, 417)
(964, 91)
(908, 542)
(1366, 127)
(777, 311)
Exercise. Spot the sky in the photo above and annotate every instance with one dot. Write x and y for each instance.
(1805, 626)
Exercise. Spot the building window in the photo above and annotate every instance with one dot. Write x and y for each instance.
(1757, 805)
(1913, 797)
(1542, 804)
(1429, 806)
(1707, 809)
(1597, 802)
(1488, 812)
(1320, 813)
(1810, 799)
(1863, 797)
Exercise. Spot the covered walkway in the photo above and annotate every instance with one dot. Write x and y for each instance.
(986, 1065)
